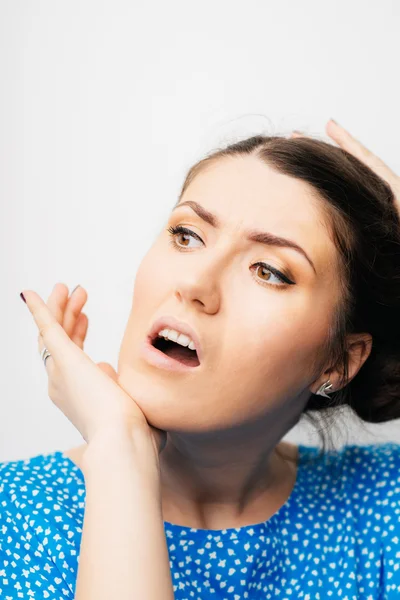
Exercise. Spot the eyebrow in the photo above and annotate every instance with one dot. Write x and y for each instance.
(253, 235)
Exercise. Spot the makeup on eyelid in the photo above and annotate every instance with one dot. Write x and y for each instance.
(180, 229)
(263, 237)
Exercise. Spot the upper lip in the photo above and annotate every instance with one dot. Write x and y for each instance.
(168, 322)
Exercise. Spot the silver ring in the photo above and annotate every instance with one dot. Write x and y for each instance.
(45, 355)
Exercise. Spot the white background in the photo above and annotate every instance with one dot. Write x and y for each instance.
(103, 108)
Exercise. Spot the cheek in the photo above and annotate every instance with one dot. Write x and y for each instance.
(153, 277)
(280, 339)
(147, 281)
(150, 289)
(143, 285)
(144, 300)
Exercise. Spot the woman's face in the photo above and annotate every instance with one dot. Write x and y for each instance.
(261, 337)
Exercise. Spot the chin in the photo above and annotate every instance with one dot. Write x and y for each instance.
(169, 408)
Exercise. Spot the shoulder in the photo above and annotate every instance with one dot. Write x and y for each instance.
(41, 518)
(53, 472)
(349, 498)
(370, 472)
(379, 454)
(75, 454)
(360, 463)
(41, 506)
(374, 467)
(42, 502)
(45, 488)
(374, 473)
(361, 483)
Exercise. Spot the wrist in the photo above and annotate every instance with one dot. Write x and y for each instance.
(118, 448)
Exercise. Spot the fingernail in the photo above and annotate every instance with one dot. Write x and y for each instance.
(23, 297)
(75, 289)
(297, 131)
(333, 121)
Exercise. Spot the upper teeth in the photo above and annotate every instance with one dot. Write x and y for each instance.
(179, 338)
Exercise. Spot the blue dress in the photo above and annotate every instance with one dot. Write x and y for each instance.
(337, 535)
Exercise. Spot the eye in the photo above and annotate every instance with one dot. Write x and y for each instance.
(266, 273)
(179, 230)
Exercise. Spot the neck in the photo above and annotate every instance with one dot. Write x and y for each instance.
(228, 476)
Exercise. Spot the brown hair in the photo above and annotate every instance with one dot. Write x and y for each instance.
(364, 224)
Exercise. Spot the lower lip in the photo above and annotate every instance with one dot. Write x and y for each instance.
(162, 361)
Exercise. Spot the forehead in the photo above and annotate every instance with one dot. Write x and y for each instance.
(249, 187)
(244, 192)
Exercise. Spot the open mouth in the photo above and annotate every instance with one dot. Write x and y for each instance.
(176, 351)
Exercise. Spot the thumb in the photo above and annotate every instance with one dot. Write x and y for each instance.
(108, 369)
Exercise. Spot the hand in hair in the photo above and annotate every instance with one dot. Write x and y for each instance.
(346, 141)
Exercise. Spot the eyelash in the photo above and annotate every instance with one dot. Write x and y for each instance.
(173, 231)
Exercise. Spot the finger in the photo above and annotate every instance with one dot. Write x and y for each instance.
(45, 356)
(348, 142)
(57, 301)
(73, 309)
(52, 333)
(297, 134)
(78, 335)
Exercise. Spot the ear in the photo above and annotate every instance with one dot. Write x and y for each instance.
(359, 346)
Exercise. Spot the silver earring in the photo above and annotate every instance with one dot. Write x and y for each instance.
(325, 389)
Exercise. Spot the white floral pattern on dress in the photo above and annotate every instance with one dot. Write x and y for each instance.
(336, 536)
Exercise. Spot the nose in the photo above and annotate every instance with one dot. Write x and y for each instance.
(199, 286)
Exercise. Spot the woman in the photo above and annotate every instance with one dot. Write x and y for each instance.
(273, 291)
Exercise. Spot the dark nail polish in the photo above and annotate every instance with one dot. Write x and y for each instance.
(23, 297)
